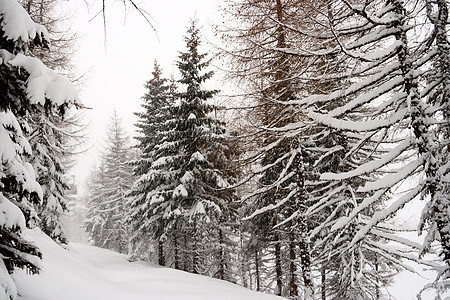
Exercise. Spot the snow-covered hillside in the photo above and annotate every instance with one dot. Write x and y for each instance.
(86, 272)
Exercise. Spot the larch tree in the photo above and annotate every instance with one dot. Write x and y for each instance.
(292, 150)
(396, 139)
(28, 87)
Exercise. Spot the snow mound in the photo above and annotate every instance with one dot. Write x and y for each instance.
(88, 273)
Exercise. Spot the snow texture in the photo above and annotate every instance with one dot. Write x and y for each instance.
(17, 24)
(10, 216)
(91, 273)
(43, 83)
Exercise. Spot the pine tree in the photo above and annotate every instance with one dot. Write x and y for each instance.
(52, 138)
(150, 124)
(183, 196)
(49, 149)
(19, 191)
(201, 185)
(107, 209)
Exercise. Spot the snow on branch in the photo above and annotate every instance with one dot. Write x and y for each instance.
(43, 83)
(363, 126)
(383, 214)
(370, 166)
(17, 24)
(390, 180)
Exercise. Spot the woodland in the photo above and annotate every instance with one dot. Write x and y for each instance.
(293, 188)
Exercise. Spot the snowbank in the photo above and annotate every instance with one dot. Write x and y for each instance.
(88, 273)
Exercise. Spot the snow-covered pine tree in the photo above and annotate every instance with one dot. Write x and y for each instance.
(48, 146)
(202, 165)
(183, 197)
(148, 233)
(94, 222)
(52, 138)
(28, 87)
(107, 210)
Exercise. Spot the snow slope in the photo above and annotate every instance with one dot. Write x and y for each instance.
(84, 272)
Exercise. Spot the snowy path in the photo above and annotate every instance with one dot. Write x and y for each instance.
(86, 273)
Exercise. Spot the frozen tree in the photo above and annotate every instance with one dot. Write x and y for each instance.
(53, 139)
(107, 208)
(150, 125)
(395, 137)
(183, 197)
(203, 174)
(95, 217)
(28, 87)
(291, 150)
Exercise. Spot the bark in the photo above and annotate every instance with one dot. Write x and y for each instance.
(293, 288)
(176, 254)
(303, 245)
(323, 285)
(258, 286)
(278, 270)
(221, 271)
(161, 258)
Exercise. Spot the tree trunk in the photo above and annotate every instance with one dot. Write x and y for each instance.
(305, 259)
(186, 254)
(293, 288)
(221, 256)
(278, 270)
(377, 291)
(161, 258)
(258, 286)
(176, 254)
(323, 283)
(194, 258)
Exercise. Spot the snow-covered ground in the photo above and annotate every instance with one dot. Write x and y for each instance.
(84, 272)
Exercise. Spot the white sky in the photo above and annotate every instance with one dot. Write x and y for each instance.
(118, 72)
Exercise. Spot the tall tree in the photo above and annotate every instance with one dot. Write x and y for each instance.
(203, 177)
(20, 75)
(183, 195)
(395, 128)
(150, 127)
(109, 206)
(53, 139)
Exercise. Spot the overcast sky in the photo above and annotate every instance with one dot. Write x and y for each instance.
(119, 70)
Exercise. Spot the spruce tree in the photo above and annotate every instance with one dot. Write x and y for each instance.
(107, 209)
(203, 153)
(20, 76)
(183, 196)
(150, 125)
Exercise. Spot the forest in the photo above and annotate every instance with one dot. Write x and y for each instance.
(295, 188)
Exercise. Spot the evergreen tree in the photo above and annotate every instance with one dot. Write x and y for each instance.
(19, 191)
(183, 196)
(201, 166)
(52, 138)
(49, 149)
(107, 209)
(150, 123)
